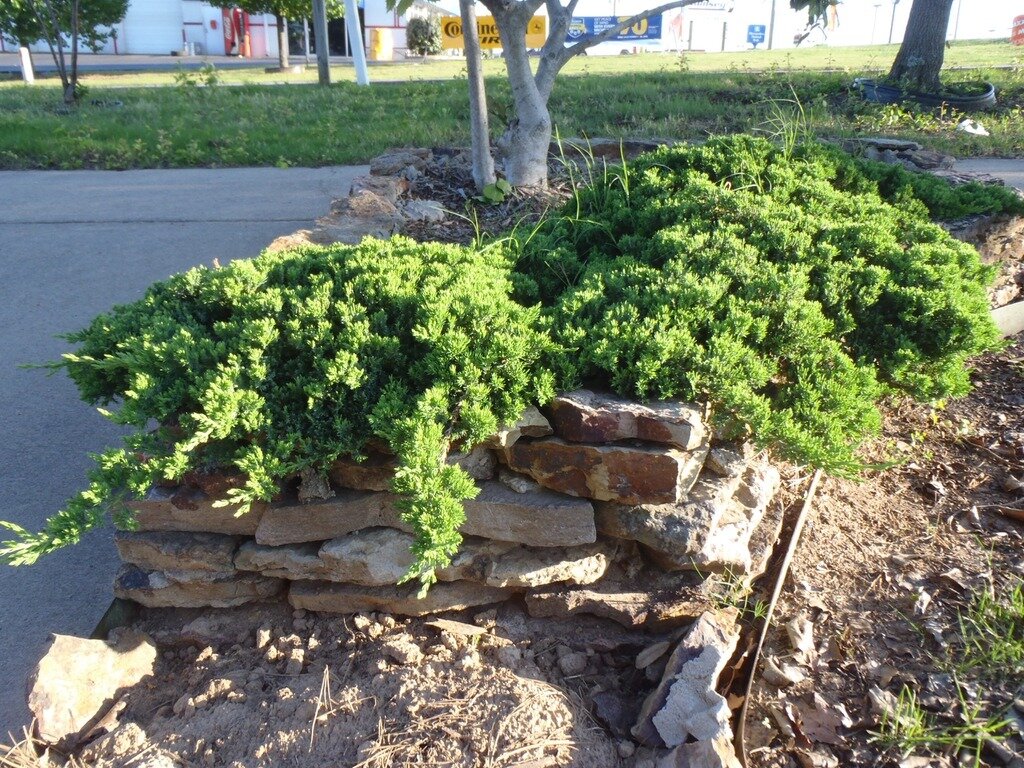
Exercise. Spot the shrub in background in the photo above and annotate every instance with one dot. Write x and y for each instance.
(423, 35)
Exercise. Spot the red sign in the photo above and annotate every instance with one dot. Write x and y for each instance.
(1017, 37)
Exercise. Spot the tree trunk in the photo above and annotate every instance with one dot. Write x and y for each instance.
(524, 146)
(918, 63)
(282, 42)
(71, 92)
(483, 163)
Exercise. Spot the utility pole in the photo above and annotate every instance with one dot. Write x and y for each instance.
(355, 42)
(323, 64)
(956, 24)
(892, 19)
(771, 27)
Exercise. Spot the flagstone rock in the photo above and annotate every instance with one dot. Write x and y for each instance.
(159, 589)
(651, 599)
(522, 567)
(676, 532)
(531, 424)
(290, 522)
(77, 681)
(686, 702)
(388, 187)
(588, 417)
(728, 545)
(331, 597)
(291, 561)
(178, 509)
(537, 518)
(172, 550)
(373, 473)
(622, 473)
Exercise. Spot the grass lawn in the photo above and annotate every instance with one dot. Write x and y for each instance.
(166, 120)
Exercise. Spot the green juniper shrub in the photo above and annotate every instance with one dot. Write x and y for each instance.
(289, 360)
(788, 287)
(778, 285)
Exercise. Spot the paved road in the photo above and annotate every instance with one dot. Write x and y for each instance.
(71, 245)
(104, 62)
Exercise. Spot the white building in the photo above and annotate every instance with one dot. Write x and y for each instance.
(165, 26)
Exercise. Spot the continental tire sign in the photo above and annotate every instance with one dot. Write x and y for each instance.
(451, 32)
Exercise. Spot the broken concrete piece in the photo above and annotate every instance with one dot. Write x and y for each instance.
(159, 589)
(619, 473)
(587, 417)
(686, 702)
(77, 681)
(289, 522)
(531, 424)
(348, 598)
(179, 509)
(718, 753)
(538, 519)
(172, 550)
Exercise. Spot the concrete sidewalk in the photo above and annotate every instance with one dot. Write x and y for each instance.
(72, 244)
(1010, 170)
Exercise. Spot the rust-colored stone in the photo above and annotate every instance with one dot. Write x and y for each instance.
(374, 473)
(588, 417)
(626, 474)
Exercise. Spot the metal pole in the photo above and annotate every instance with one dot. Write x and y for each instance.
(355, 42)
(323, 64)
(724, 23)
(771, 27)
(874, 23)
(305, 37)
(956, 24)
(892, 19)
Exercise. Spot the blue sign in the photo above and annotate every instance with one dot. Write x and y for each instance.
(755, 34)
(587, 26)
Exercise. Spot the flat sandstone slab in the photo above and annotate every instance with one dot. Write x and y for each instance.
(178, 509)
(177, 550)
(347, 598)
(588, 417)
(156, 589)
(538, 518)
(621, 473)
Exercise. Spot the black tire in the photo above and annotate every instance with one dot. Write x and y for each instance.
(881, 93)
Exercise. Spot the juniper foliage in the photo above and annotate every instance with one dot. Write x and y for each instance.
(789, 287)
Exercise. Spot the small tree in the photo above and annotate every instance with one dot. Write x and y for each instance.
(919, 61)
(289, 9)
(921, 54)
(523, 148)
(62, 23)
(423, 36)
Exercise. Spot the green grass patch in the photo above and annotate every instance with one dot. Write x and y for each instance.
(654, 96)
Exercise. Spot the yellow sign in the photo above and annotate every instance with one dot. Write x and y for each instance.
(451, 32)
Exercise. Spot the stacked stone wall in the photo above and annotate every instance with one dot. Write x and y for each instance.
(629, 511)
